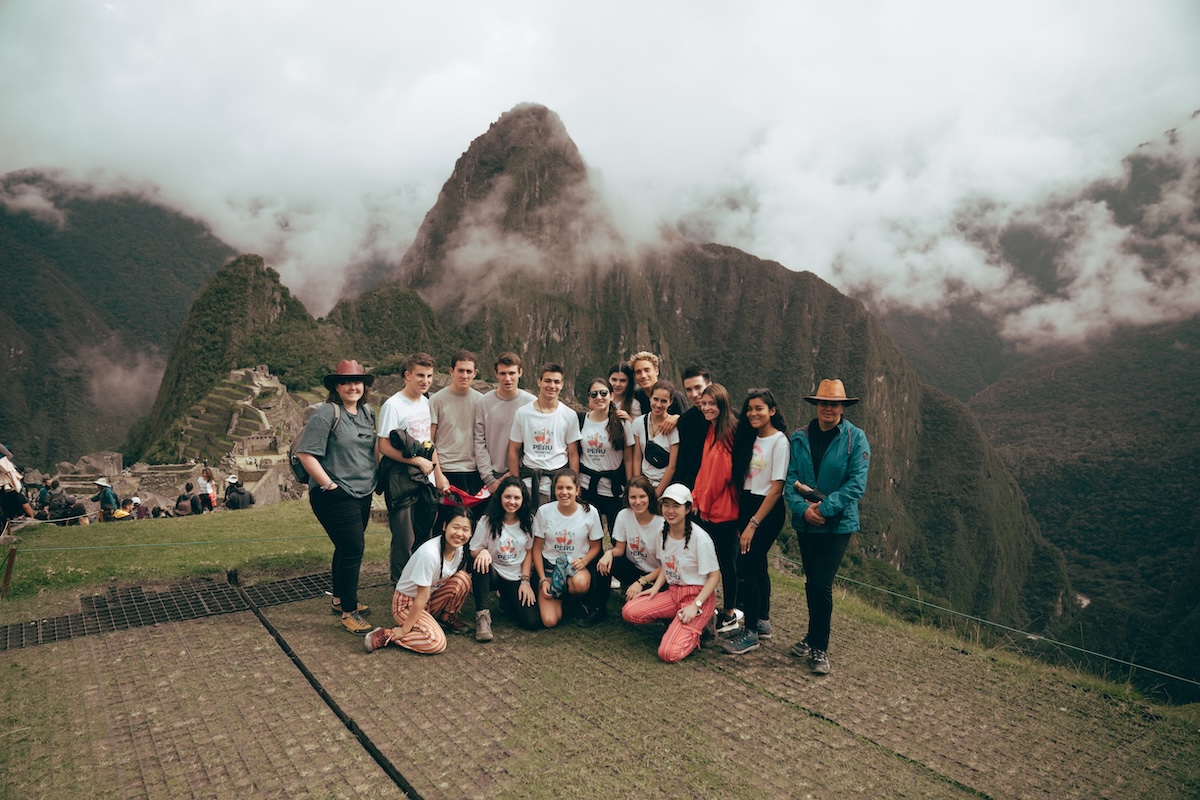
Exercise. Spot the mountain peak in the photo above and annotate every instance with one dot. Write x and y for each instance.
(518, 200)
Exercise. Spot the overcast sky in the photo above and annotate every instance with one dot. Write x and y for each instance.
(845, 139)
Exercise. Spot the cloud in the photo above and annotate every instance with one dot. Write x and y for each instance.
(852, 141)
(120, 382)
(30, 198)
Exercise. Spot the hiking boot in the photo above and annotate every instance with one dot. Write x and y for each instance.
(729, 621)
(483, 626)
(363, 609)
(764, 629)
(355, 624)
(741, 644)
(819, 662)
(801, 649)
(380, 637)
(592, 617)
(452, 623)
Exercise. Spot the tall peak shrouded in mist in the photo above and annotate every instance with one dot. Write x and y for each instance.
(518, 202)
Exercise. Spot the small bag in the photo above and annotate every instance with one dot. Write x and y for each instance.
(657, 456)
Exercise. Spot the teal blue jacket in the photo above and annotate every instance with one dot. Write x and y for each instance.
(843, 479)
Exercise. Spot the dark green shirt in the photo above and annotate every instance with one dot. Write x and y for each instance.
(347, 453)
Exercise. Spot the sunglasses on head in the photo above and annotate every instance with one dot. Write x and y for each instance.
(598, 393)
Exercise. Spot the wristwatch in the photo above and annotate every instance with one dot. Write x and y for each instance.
(699, 605)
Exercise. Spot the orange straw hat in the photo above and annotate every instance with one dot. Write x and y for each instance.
(831, 391)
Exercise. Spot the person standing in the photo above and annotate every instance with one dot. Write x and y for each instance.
(827, 475)
(494, 414)
(410, 517)
(692, 426)
(760, 462)
(544, 436)
(452, 427)
(645, 373)
(337, 449)
(107, 499)
(620, 378)
(208, 490)
(716, 498)
(606, 453)
(657, 441)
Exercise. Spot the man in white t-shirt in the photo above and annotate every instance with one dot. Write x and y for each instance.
(411, 517)
(452, 427)
(545, 436)
(493, 420)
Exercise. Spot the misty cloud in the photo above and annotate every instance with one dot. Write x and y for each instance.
(25, 198)
(849, 141)
(119, 382)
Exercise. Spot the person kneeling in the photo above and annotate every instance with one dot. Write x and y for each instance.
(434, 583)
(690, 573)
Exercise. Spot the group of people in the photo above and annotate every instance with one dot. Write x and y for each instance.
(691, 492)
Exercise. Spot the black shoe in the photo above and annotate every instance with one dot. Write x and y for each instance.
(591, 618)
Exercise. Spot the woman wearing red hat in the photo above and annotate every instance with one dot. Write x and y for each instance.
(827, 474)
(337, 448)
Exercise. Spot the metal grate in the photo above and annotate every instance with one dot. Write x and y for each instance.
(134, 607)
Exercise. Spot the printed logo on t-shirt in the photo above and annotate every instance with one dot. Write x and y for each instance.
(758, 460)
(543, 440)
(637, 546)
(562, 541)
(672, 568)
(597, 445)
(507, 551)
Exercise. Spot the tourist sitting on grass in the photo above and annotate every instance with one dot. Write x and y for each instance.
(632, 560)
(125, 512)
(503, 551)
(570, 531)
(684, 591)
(434, 584)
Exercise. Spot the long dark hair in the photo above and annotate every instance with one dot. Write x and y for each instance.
(627, 398)
(726, 421)
(743, 439)
(616, 429)
(495, 509)
(453, 512)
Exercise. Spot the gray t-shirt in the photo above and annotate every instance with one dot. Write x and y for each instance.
(347, 453)
(454, 415)
(493, 423)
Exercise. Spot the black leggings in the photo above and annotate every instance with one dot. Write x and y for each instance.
(754, 580)
(344, 519)
(483, 585)
(821, 554)
(725, 539)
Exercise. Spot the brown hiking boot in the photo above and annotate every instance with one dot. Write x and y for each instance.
(355, 623)
(483, 626)
(363, 608)
(452, 623)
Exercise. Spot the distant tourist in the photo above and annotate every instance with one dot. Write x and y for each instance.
(412, 509)
(493, 420)
(125, 512)
(77, 513)
(544, 436)
(340, 461)
(107, 499)
(188, 502)
(13, 502)
(207, 490)
(684, 592)
(502, 549)
(569, 549)
(238, 496)
(760, 464)
(140, 510)
(452, 427)
(827, 474)
(434, 583)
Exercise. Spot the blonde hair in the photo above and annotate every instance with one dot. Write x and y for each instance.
(644, 355)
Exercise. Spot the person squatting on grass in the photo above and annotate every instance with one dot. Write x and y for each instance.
(633, 559)
(827, 475)
(434, 583)
(570, 532)
(503, 551)
(760, 462)
(340, 461)
(690, 573)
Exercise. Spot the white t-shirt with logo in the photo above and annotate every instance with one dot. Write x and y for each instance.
(596, 452)
(664, 440)
(508, 549)
(691, 565)
(400, 413)
(641, 541)
(768, 462)
(544, 437)
(569, 536)
(428, 568)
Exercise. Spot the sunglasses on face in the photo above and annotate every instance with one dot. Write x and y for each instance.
(598, 393)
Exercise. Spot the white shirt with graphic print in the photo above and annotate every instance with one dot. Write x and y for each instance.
(768, 462)
(568, 536)
(641, 546)
(691, 565)
(428, 568)
(596, 452)
(508, 549)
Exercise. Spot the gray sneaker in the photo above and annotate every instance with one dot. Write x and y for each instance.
(483, 626)
(741, 644)
(819, 662)
(801, 649)
(764, 629)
